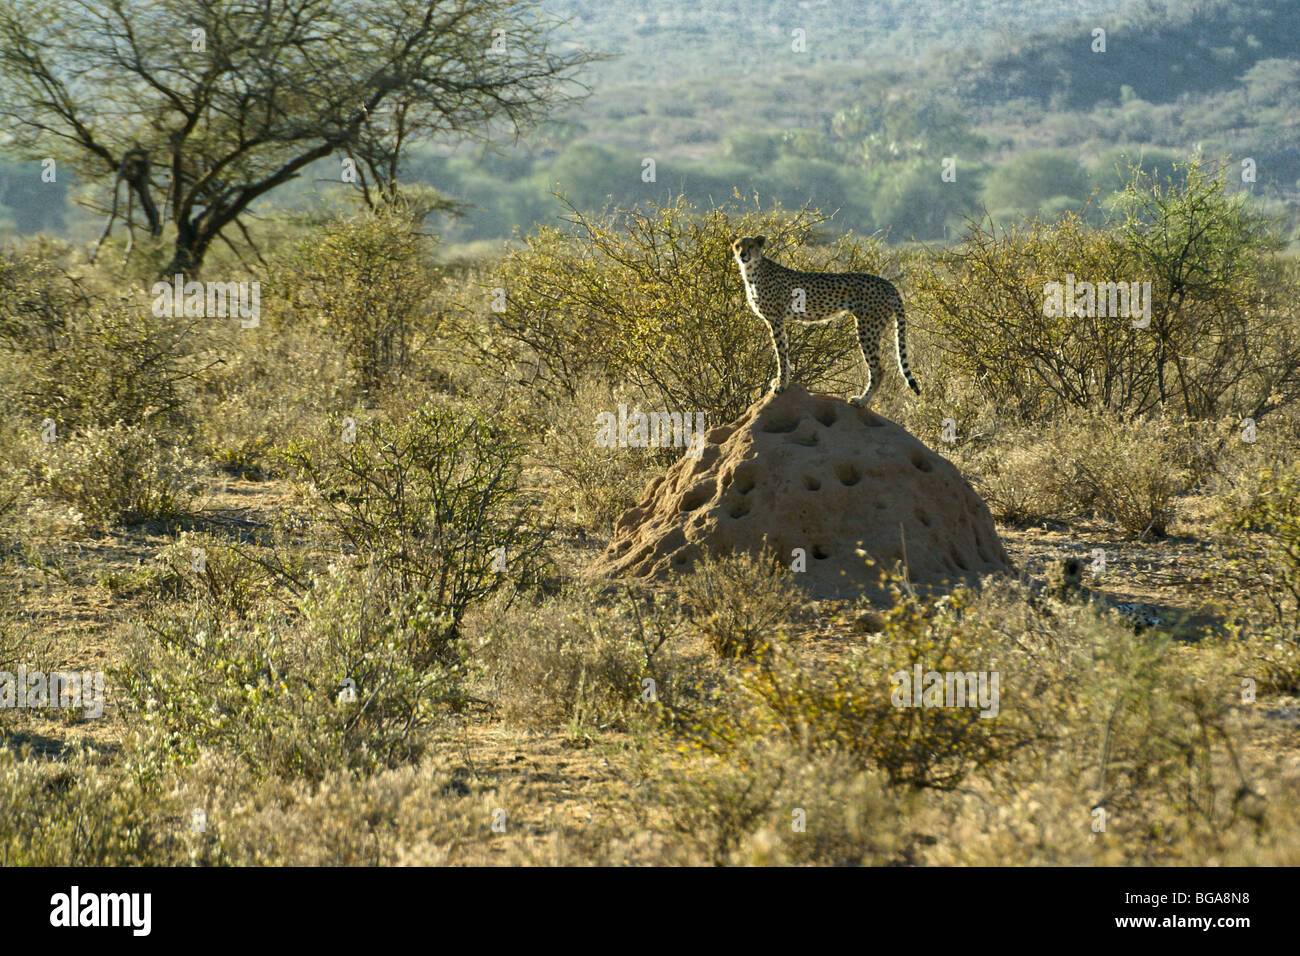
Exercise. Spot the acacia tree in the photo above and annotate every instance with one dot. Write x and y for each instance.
(232, 98)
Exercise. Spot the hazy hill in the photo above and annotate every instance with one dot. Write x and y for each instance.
(661, 41)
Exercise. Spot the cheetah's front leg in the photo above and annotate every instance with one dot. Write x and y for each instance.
(781, 346)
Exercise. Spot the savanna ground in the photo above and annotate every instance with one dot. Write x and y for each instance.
(283, 546)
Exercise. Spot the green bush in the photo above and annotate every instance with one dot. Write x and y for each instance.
(363, 283)
(84, 356)
(1088, 465)
(76, 812)
(222, 579)
(1219, 340)
(588, 659)
(740, 603)
(433, 502)
(1133, 721)
(338, 685)
(1114, 169)
(116, 475)
(1223, 339)
(251, 408)
(1274, 520)
(911, 202)
(592, 484)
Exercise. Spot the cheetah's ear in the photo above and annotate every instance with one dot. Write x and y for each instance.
(760, 240)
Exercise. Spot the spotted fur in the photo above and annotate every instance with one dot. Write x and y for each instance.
(775, 294)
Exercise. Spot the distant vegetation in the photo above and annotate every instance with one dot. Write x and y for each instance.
(861, 123)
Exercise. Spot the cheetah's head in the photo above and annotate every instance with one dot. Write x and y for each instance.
(748, 249)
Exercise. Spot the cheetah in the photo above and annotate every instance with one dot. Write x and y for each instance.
(776, 293)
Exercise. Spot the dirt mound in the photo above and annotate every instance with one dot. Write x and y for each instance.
(816, 480)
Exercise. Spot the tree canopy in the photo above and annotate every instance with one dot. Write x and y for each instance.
(230, 99)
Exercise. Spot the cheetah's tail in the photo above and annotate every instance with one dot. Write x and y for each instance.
(900, 340)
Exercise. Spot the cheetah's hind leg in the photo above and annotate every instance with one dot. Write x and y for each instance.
(872, 359)
(874, 372)
(861, 400)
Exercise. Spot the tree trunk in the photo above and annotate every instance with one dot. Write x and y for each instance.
(191, 246)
